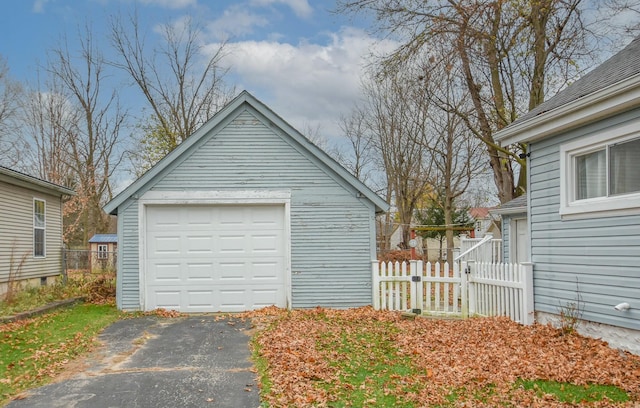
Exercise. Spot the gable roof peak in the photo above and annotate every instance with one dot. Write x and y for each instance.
(245, 97)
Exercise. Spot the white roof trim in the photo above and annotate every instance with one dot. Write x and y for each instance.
(605, 102)
(244, 97)
(509, 211)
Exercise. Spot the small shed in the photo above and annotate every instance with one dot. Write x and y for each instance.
(102, 250)
(244, 214)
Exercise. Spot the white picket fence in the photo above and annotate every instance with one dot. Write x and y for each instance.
(465, 289)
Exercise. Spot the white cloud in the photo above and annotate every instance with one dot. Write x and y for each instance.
(300, 7)
(38, 6)
(307, 84)
(172, 4)
(236, 21)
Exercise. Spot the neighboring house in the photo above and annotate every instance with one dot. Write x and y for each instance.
(484, 223)
(30, 229)
(245, 213)
(102, 249)
(583, 199)
(515, 230)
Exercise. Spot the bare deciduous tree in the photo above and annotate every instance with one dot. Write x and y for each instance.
(360, 160)
(93, 140)
(457, 157)
(395, 117)
(46, 116)
(510, 54)
(182, 82)
(10, 92)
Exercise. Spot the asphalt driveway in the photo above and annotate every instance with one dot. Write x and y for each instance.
(152, 362)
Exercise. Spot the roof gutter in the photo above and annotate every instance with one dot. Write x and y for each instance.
(24, 180)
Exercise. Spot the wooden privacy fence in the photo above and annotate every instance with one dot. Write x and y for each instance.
(465, 289)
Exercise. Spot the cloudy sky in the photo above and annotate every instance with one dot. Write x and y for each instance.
(296, 56)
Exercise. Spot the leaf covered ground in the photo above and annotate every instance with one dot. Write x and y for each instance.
(362, 357)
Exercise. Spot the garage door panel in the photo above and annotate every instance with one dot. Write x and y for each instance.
(200, 299)
(233, 216)
(200, 217)
(199, 244)
(264, 297)
(232, 244)
(163, 245)
(233, 299)
(263, 271)
(270, 243)
(167, 299)
(236, 271)
(162, 218)
(267, 217)
(201, 272)
(166, 272)
(215, 258)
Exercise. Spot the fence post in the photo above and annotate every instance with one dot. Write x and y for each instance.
(527, 293)
(64, 265)
(469, 271)
(375, 270)
(416, 286)
(464, 287)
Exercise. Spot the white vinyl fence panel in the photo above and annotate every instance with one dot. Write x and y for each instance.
(467, 288)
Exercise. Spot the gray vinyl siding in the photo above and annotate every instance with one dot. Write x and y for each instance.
(506, 237)
(16, 234)
(331, 227)
(594, 260)
(128, 282)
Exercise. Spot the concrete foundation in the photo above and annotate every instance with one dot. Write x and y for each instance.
(617, 337)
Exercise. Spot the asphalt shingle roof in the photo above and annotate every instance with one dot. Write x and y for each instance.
(621, 66)
(517, 202)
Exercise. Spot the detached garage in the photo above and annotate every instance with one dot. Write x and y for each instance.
(244, 214)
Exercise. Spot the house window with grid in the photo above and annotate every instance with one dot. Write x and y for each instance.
(602, 176)
(39, 228)
(103, 251)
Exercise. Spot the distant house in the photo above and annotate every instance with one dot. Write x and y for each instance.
(484, 223)
(245, 213)
(30, 229)
(103, 249)
(583, 201)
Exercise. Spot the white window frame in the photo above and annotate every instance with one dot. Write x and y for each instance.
(621, 204)
(43, 228)
(103, 251)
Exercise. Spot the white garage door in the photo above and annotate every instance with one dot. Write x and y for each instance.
(203, 258)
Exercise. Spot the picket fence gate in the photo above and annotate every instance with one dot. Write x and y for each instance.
(468, 288)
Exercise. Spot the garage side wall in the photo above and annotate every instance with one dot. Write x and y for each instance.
(128, 280)
(332, 226)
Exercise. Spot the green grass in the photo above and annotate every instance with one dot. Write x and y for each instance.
(33, 351)
(576, 394)
(371, 367)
